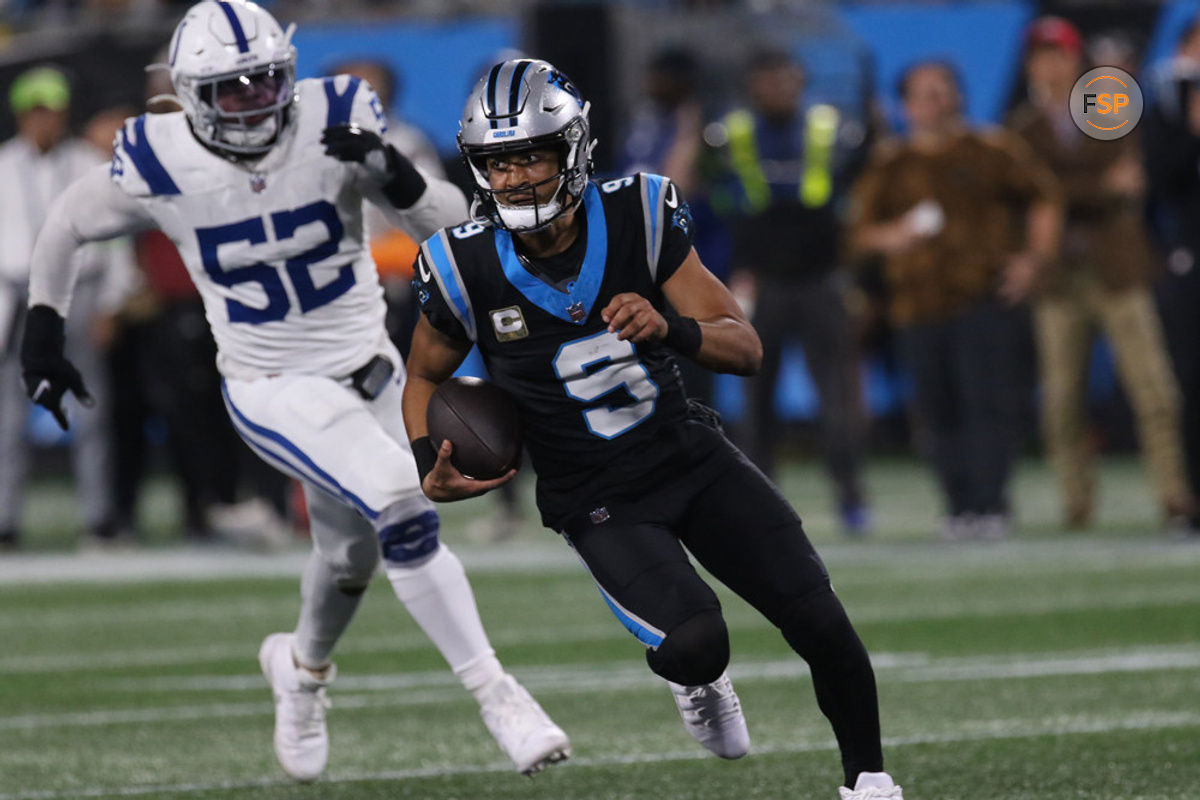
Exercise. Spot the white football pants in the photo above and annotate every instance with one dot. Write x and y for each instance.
(353, 457)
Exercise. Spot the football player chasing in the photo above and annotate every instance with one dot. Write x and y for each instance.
(580, 296)
(260, 184)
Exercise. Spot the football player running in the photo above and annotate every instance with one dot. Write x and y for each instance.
(580, 296)
(260, 184)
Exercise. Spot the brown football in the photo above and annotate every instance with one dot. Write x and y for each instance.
(482, 422)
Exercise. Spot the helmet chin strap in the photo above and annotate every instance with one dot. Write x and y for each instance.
(527, 219)
(259, 135)
(532, 218)
(229, 148)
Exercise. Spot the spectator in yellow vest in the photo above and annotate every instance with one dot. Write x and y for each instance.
(787, 165)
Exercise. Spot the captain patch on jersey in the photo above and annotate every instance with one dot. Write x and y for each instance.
(587, 397)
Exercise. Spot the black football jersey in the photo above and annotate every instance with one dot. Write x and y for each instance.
(597, 412)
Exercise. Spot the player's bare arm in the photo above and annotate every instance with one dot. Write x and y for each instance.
(434, 357)
(728, 342)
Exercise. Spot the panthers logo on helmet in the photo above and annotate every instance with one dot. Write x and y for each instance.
(521, 104)
(563, 82)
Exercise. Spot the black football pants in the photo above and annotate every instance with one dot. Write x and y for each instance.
(745, 533)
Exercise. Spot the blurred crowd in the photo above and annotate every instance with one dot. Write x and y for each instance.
(984, 260)
(980, 261)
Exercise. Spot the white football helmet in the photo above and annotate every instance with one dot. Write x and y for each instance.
(233, 68)
(521, 104)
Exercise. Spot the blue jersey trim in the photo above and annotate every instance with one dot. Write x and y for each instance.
(448, 279)
(636, 627)
(235, 23)
(654, 187)
(340, 105)
(144, 160)
(326, 480)
(581, 293)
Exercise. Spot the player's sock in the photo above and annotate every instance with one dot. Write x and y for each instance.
(325, 611)
(438, 596)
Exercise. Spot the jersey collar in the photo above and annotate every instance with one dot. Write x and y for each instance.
(575, 304)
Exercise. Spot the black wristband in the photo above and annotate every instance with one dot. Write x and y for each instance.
(44, 333)
(425, 454)
(683, 334)
(405, 186)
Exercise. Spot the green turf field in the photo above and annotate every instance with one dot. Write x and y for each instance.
(1048, 666)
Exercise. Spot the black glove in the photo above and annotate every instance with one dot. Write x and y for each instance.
(48, 374)
(402, 185)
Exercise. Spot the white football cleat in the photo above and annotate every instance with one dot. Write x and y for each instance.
(301, 740)
(523, 730)
(872, 786)
(713, 716)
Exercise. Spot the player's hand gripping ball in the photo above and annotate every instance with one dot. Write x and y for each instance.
(481, 420)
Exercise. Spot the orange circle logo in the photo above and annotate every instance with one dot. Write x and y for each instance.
(1106, 103)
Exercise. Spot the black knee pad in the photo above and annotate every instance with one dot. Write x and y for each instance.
(695, 652)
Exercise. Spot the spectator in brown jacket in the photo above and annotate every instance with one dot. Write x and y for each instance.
(1100, 279)
(945, 209)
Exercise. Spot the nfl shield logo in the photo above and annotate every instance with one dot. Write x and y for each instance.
(577, 312)
(258, 183)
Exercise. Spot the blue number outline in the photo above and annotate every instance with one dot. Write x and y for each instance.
(285, 223)
(596, 408)
(310, 295)
(250, 230)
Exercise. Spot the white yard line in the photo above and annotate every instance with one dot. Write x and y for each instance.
(992, 730)
(548, 554)
(913, 608)
(424, 688)
(402, 641)
(210, 563)
(195, 655)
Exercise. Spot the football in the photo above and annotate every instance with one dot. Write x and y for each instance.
(482, 422)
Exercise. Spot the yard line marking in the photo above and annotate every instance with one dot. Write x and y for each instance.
(409, 640)
(206, 563)
(424, 688)
(548, 555)
(401, 641)
(989, 730)
(892, 667)
(922, 608)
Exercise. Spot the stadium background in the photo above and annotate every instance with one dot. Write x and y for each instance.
(1053, 665)
(852, 52)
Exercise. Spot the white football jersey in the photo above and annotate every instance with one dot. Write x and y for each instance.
(275, 246)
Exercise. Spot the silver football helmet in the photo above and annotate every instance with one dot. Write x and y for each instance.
(522, 104)
(233, 69)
